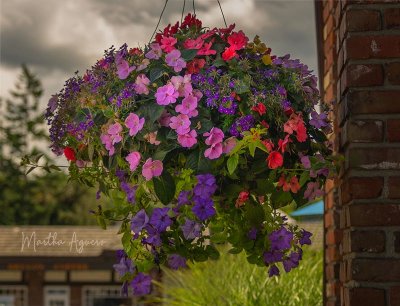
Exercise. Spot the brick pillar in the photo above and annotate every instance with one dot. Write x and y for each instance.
(359, 60)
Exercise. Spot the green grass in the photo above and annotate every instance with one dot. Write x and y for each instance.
(231, 281)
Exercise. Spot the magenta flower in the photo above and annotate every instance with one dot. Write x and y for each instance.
(141, 84)
(166, 94)
(206, 49)
(134, 124)
(214, 151)
(183, 85)
(305, 160)
(188, 140)
(155, 52)
(188, 106)
(133, 159)
(114, 131)
(228, 145)
(123, 69)
(173, 59)
(193, 43)
(214, 136)
(313, 191)
(152, 168)
(107, 142)
(165, 119)
(167, 44)
(180, 123)
(318, 120)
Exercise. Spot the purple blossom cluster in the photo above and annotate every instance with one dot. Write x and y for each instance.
(285, 248)
(242, 124)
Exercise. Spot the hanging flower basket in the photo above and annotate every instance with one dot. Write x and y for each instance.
(198, 139)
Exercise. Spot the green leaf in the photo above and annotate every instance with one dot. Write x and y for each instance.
(232, 163)
(162, 152)
(281, 198)
(219, 237)
(212, 252)
(90, 151)
(102, 222)
(164, 186)
(156, 73)
(304, 178)
(235, 250)
(30, 170)
(189, 54)
(252, 148)
(219, 62)
(151, 111)
(198, 162)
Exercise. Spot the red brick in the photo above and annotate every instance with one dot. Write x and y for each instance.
(393, 130)
(362, 131)
(328, 61)
(394, 187)
(394, 295)
(332, 271)
(393, 73)
(333, 236)
(362, 20)
(332, 253)
(363, 75)
(367, 241)
(364, 47)
(375, 270)
(331, 218)
(392, 20)
(332, 288)
(397, 242)
(374, 158)
(372, 214)
(361, 188)
(364, 297)
(329, 42)
(373, 102)
(329, 94)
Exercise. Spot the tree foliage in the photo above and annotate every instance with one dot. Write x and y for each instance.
(40, 197)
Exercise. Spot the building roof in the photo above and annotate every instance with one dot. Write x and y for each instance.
(313, 209)
(57, 241)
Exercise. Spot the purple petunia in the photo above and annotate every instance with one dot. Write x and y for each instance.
(191, 229)
(153, 237)
(203, 208)
(272, 256)
(124, 266)
(160, 219)
(176, 261)
(318, 120)
(141, 284)
(281, 239)
(139, 221)
(305, 237)
(130, 191)
(241, 124)
(206, 186)
(292, 262)
(273, 270)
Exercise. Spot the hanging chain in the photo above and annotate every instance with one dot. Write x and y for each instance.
(183, 10)
(159, 20)
(222, 12)
(194, 8)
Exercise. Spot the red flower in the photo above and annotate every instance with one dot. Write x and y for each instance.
(301, 132)
(265, 124)
(206, 49)
(69, 154)
(283, 143)
(228, 54)
(242, 198)
(193, 43)
(237, 40)
(268, 144)
(195, 65)
(275, 160)
(292, 186)
(260, 108)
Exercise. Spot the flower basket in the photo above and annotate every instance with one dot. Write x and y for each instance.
(201, 129)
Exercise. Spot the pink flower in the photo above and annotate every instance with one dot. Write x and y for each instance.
(155, 52)
(205, 50)
(141, 84)
(114, 131)
(173, 59)
(188, 106)
(123, 69)
(165, 119)
(305, 161)
(313, 191)
(228, 145)
(182, 84)
(166, 94)
(167, 43)
(152, 138)
(133, 159)
(143, 65)
(214, 151)
(214, 136)
(107, 142)
(134, 124)
(180, 123)
(152, 168)
(188, 140)
(193, 43)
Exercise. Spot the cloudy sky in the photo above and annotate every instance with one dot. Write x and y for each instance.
(56, 38)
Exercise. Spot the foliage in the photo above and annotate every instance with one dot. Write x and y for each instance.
(201, 129)
(41, 198)
(231, 281)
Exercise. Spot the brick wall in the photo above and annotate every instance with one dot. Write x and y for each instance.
(359, 59)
